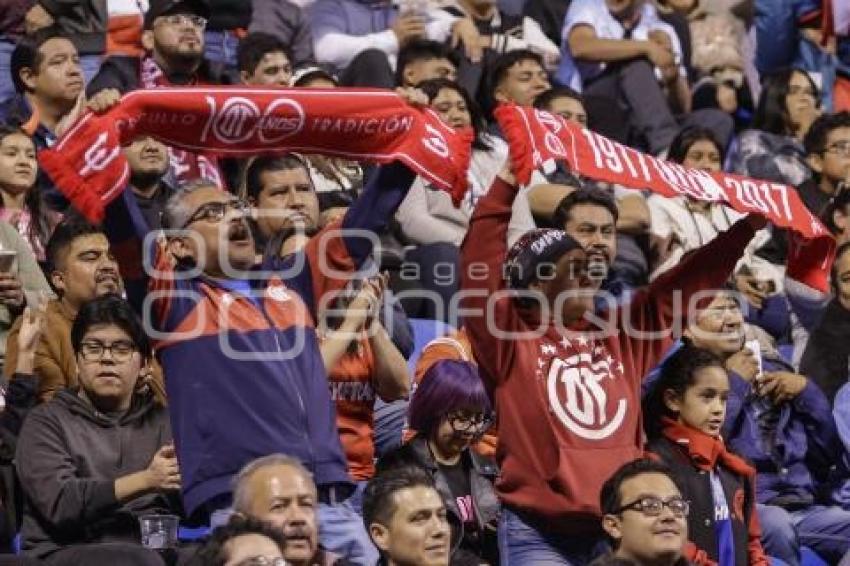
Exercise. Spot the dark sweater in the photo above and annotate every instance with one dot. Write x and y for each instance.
(68, 458)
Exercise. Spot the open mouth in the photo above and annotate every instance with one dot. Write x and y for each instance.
(238, 232)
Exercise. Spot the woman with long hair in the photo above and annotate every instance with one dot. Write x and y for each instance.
(773, 148)
(21, 203)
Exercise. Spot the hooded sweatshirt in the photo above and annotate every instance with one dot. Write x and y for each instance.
(68, 458)
(569, 405)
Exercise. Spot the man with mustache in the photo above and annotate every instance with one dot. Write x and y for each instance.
(173, 39)
(278, 490)
(81, 268)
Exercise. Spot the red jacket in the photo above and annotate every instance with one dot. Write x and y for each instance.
(569, 408)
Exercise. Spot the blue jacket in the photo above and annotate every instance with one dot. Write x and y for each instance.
(244, 376)
(797, 466)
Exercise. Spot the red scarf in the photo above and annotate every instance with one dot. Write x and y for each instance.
(89, 168)
(705, 451)
(537, 138)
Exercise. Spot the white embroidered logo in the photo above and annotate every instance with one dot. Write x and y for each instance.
(98, 157)
(579, 401)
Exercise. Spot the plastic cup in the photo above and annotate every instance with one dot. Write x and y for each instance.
(159, 531)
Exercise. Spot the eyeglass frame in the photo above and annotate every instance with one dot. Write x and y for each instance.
(119, 359)
(639, 506)
(478, 429)
(201, 213)
(196, 21)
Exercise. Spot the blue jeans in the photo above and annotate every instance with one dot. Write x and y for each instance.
(521, 544)
(389, 425)
(342, 532)
(826, 530)
(7, 87)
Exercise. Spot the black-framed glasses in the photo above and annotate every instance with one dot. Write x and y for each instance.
(193, 20)
(216, 211)
(120, 351)
(475, 423)
(652, 506)
(841, 148)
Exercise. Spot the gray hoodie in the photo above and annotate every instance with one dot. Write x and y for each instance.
(68, 458)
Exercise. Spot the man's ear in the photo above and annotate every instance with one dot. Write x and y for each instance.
(499, 95)
(28, 77)
(672, 400)
(147, 40)
(407, 75)
(244, 76)
(380, 536)
(57, 278)
(840, 220)
(815, 161)
(611, 525)
(179, 247)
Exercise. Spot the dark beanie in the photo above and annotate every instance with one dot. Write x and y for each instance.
(542, 245)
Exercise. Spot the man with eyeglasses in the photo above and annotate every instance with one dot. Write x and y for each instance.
(173, 39)
(644, 516)
(98, 456)
(238, 342)
(827, 145)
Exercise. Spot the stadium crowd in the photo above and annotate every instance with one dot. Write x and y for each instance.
(566, 371)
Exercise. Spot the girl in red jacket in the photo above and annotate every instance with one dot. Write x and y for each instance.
(684, 414)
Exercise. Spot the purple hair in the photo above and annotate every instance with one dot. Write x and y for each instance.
(447, 386)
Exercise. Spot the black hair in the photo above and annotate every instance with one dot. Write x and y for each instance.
(544, 100)
(584, 195)
(71, 228)
(432, 88)
(113, 310)
(213, 552)
(266, 163)
(689, 136)
(273, 245)
(772, 110)
(499, 70)
(677, 373)
(422, 50)
(609, 496)
(39, 228)
(27, 54)
(378, 502)
(256, 45)
(833, 271)
(815, 139)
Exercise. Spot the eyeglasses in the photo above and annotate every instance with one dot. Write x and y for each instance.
(183, 20)
(262, 561)
(465, 422)
(120, 351)
(652, 506)
(841, 148)
(216, 211)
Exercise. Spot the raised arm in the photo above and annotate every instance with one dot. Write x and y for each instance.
(667, 299)
(482, 255)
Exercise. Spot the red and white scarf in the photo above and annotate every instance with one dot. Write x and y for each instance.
(537, 138)
(88, 166)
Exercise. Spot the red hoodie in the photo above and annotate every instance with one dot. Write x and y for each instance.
(569, 408)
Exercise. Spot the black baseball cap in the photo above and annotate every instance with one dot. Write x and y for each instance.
(159, 8)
